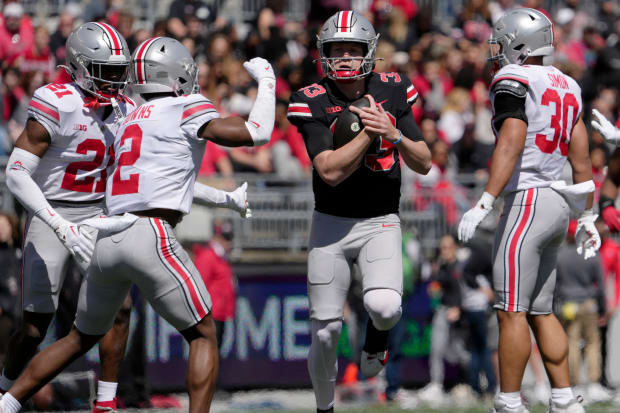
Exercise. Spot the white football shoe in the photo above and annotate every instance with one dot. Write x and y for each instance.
(501, 407)
(596, 393)
(433, 395)
(372, 363)
(573, 406)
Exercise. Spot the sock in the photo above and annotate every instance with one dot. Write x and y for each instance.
(512, 399)
(5, 383)
(330, 410)
(106, 391)
(9, 404)
(376, 340)
(562, 396)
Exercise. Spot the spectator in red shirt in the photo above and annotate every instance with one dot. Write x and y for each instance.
(39, 57)
(211, 260)
(16, 33)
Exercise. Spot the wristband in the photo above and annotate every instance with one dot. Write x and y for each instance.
(604, 202)
(400, 138)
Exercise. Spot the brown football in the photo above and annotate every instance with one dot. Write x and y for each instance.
(349, 124)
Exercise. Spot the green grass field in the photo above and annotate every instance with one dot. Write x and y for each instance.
(594, 408)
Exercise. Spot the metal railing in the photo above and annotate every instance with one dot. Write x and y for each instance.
(282, 213)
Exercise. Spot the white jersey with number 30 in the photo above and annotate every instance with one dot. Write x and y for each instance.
(158, 155)
(553, 106)
(75, 164)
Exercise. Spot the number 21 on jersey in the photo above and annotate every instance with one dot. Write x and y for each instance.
(559, 121)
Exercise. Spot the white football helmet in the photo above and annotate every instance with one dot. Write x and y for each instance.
(347, 26)
(519, 34)
(163, 64)
(97, 54)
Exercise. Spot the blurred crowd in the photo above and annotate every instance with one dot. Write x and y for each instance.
(445, 62)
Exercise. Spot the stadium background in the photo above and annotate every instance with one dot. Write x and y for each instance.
(440, 45)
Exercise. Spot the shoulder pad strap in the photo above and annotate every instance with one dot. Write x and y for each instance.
(510, 86)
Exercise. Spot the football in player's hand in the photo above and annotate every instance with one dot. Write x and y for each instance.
(349, 124)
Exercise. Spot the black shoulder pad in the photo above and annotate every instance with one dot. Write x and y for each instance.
(510, 86)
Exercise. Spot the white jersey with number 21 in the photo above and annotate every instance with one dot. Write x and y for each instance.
(158, 155)
(553, 106)
(74, 167)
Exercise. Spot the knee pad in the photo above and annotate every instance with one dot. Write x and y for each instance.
(384, 307)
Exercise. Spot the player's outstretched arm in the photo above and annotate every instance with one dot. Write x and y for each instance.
(236, 200)
(257, 130)
(31, 145)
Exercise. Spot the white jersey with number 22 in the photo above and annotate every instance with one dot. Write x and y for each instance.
(158, 155)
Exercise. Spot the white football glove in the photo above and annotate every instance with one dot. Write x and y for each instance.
(472, 218)
(608, 131)
(237, 200)
(259, 69)
(76, 239)
(586, 236)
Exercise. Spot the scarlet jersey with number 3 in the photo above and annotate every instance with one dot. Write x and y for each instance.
(158, 155)
(74, 166)
(553, 106)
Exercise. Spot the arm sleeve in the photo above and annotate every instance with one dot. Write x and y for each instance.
(407, 94)
(317, 138)
(408, 126)
(262, 116)
(316, 134)
(508, 94)
(42, 109)
(21, 166)
(197, 111)
(507, 106)
(212, 197)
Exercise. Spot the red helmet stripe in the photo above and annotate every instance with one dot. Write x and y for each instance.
(344, 21)
(117, 45)
(140, 72)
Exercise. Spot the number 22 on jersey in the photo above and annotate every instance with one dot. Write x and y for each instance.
(130, 185)
(559, 121)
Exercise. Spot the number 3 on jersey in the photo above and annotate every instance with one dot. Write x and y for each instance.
(128, 186)
(559, 121)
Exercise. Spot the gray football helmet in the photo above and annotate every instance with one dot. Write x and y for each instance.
(519, 34)
(97, 54)
(163, 64)
(347, 26)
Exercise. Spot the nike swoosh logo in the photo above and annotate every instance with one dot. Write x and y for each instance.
(388, 225)
(382, 102)
(50, 212)
(254, 123)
